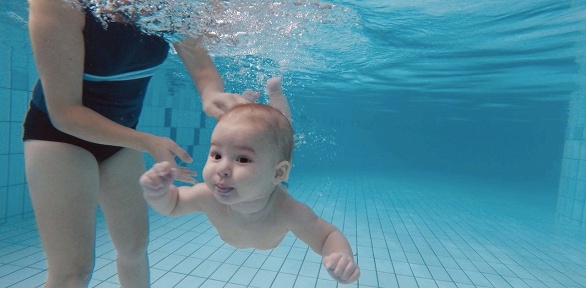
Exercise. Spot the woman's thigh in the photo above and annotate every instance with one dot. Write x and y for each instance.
(63, 182)
(122, 202)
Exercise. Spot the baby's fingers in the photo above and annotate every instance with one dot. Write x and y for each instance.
(354, 276)
(342, 268)
(332, 261)
(158, 176)
(153, 181)
(329, 262)
(149, 180)
(349, 273)
(162, 169)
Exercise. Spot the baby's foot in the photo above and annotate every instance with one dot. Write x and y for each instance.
(274, 85)
(276, 97)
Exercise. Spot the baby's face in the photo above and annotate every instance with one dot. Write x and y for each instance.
(241, 165)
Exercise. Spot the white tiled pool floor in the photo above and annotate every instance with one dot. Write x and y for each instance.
(407, 231)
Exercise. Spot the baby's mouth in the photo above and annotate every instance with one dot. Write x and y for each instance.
(223, 189)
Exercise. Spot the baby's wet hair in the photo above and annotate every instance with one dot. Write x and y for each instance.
(269, 119)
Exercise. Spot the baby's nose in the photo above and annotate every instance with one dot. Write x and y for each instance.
(224, 171)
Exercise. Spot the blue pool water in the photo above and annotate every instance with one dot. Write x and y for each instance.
(446, 140)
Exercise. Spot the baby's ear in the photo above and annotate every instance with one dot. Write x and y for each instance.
(282, 172)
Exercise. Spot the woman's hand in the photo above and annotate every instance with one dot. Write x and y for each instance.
(217, 103)
(164, 149)
(207, 80)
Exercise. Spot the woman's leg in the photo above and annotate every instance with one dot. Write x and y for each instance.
(126, 215)
(63, 182)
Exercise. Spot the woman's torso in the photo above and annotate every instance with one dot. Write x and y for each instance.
(115, 52)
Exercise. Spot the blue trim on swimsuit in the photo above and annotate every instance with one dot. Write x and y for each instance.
(133, 75)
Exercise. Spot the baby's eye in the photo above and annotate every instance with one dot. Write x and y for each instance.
(243, 160)
(215, 156)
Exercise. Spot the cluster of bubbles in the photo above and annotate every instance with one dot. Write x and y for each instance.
(255, 37)
(235, 27)
(250, 40)
(172, 19)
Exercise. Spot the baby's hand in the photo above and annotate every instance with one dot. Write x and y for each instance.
(158, 179)
(341, 267)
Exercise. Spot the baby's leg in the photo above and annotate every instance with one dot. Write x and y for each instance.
(276, 97)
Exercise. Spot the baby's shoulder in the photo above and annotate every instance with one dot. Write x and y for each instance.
(291, 209)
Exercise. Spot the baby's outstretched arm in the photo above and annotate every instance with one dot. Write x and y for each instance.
(338, 258)
(327, 241)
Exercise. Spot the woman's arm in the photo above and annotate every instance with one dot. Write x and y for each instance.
(56, 31)
(207, 80)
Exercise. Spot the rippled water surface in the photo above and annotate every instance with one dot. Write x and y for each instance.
(472, 87)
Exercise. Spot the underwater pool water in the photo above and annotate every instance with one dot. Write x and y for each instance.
(431, 133)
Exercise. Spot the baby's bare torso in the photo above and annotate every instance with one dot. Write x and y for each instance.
(263, 230)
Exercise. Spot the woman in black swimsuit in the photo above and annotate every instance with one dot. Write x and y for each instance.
(81, 148)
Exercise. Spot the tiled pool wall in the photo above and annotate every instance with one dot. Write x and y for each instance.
(172, 111)
(571, 205)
